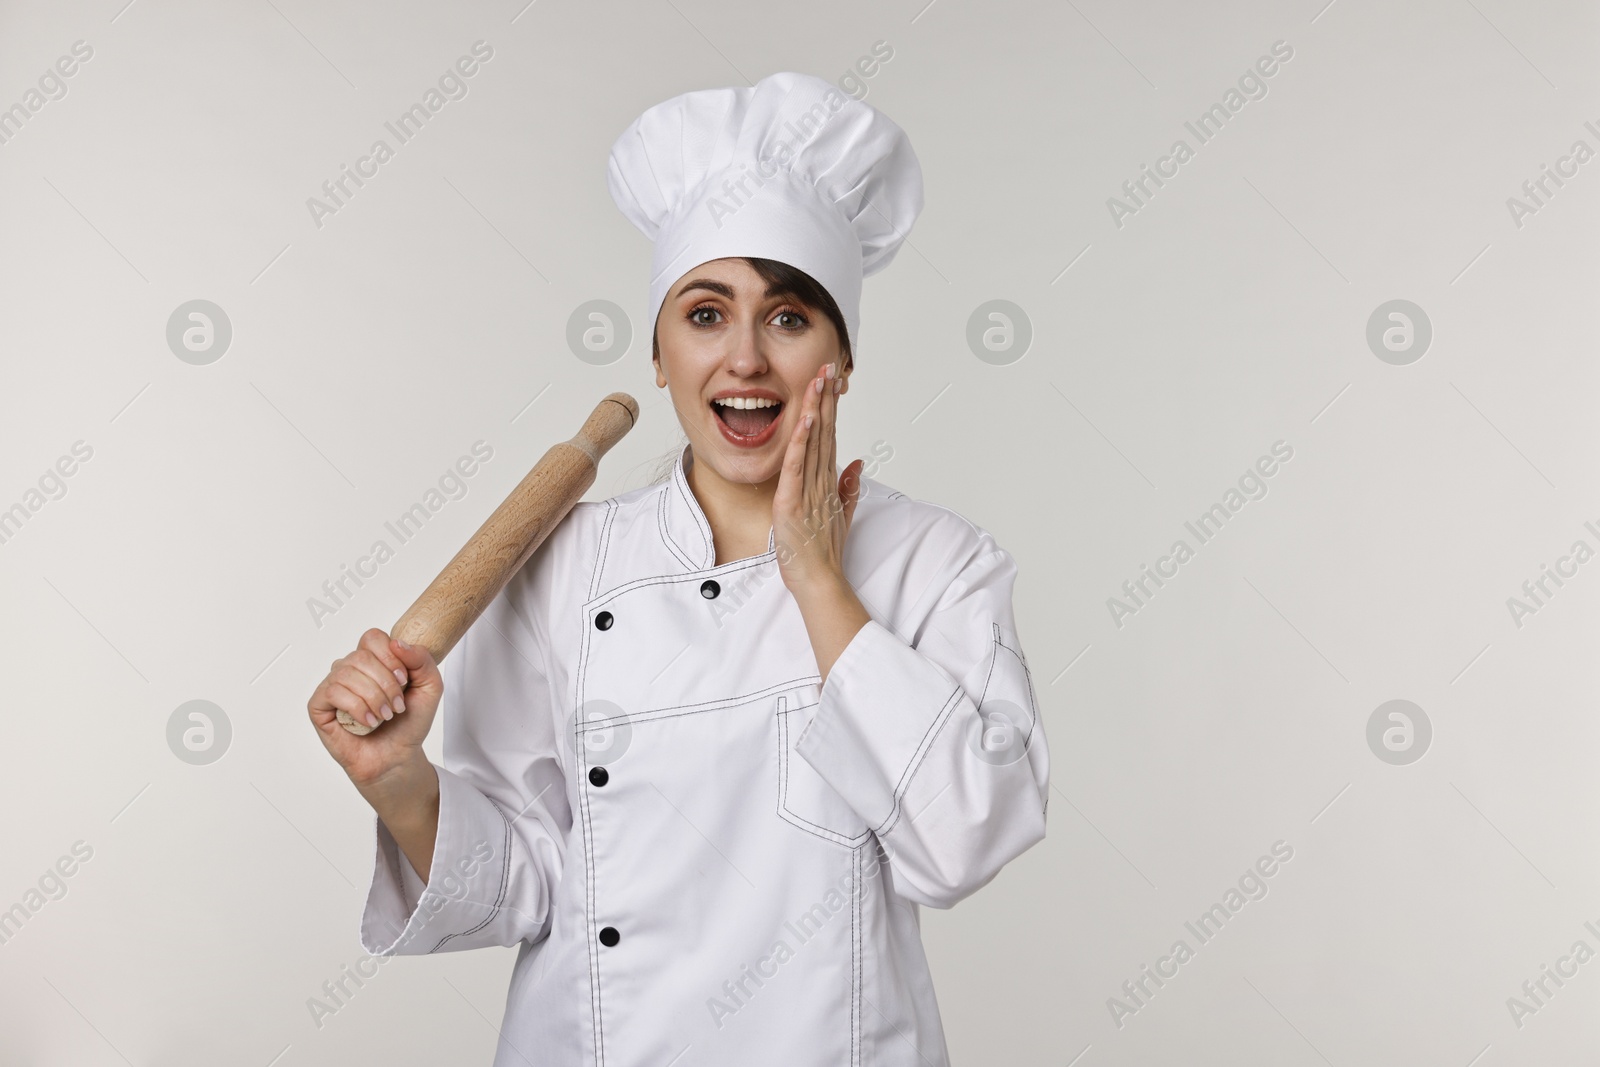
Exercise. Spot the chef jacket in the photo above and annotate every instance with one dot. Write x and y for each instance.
(704, 857)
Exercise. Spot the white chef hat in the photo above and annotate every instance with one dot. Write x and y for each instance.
(790, 169)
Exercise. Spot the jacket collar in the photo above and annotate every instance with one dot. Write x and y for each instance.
(683, 523)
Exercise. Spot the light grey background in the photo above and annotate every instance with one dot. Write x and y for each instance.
(1168, 354)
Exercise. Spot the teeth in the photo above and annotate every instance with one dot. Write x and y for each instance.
(745, 402)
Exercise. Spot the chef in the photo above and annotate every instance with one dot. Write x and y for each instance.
(711, 749)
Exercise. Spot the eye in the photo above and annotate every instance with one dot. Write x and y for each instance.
(793, 314)
(697, 310)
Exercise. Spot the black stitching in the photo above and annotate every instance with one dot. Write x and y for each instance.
(656, 714)
(661, 521)
(926, 743)
(505, 882)
(682, 485)
(917, 759)
(999, 641)
(596, 1012)
(856, 933)
(1033, 698)
(605, 544)
(588, 846)
(994, 657)
(783, 764)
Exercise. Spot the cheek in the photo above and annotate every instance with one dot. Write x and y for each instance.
(798, 385)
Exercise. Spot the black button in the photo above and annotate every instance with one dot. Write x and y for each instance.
(709, 589)
(598, 776)
(609, 936)
(602, 621)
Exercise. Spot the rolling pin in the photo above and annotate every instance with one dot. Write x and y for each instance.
(455, 599)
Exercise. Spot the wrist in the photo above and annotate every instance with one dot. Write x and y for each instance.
(828, 590)
(833, 615)
(405, 795)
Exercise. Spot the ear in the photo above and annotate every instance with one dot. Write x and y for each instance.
(844, 375)
(661, 379)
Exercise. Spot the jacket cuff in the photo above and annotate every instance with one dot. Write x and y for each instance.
(880, 709)
(466, 885)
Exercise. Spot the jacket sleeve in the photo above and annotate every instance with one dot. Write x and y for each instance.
(503, 813)
(936, 740)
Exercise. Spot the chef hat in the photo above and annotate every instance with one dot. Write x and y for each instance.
(789, 169)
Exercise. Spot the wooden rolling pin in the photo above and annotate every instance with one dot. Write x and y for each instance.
(455, 599)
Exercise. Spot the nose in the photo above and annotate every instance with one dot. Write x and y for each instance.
(745, 357)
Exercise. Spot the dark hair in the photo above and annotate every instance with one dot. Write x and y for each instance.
(798, 284)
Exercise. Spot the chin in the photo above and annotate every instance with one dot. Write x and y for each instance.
(739, 466)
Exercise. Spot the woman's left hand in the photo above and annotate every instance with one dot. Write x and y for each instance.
(813, 505)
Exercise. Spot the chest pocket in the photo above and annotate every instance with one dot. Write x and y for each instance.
(805, 800)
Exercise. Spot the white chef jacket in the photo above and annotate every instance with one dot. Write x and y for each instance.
(704, 857)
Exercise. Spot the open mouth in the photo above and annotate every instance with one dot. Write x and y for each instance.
(749, 419)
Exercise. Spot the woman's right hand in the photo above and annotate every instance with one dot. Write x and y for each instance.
(381, 672)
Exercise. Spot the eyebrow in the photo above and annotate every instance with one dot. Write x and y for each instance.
(725, 290)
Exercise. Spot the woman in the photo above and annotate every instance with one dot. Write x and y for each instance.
(715, 743)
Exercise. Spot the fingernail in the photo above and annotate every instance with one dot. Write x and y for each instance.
(837, 385)
(808, 422)
(388, 712)
(372, 720)
(827, 372)
(401, 643)
(400, 676)
(819, 386)
(399, 703)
